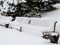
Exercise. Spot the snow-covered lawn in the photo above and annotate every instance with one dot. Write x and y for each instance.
(14, 37)
(53, 14)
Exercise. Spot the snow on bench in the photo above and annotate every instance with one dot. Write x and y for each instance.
(36, 26)
(24, 20)
(39, 25)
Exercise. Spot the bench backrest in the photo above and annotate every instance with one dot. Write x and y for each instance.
(24, 20)
(43, 22)
(19, 19)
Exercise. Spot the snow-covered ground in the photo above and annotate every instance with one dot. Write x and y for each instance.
(53, 14)
(14, 37)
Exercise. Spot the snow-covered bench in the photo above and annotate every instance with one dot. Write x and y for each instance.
(39, 25)
(33, 25)
(30, 25)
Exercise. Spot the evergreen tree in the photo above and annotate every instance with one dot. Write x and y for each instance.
(17, 8)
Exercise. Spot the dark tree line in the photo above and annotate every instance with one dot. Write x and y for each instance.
(25, 7)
